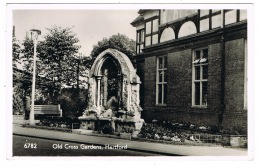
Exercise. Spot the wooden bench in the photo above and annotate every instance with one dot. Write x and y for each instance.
(48, 110)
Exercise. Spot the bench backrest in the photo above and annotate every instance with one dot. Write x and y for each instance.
(47, 110)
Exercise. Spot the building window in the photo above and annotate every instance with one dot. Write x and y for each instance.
(173, 15)
(161, 81)
(210, 19)
(151, 32)
(139, 41)
(200, 78)
(230, 16)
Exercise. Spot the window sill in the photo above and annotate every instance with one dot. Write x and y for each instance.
(161, 105)
(199, 107)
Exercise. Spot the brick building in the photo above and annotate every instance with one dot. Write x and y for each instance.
(193, 65)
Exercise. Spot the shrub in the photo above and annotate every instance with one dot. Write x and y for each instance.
(62, 122)
(18, 104)
(236, 130)
(73, 102)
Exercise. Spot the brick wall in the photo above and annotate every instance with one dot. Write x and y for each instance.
(150, 82)
(199, 118)
(179, 79)
(234, 76)
(140, 72)
(179, 106)
(214, 77)
(232, 120)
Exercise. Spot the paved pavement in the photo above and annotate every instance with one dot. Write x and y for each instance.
(160, 148)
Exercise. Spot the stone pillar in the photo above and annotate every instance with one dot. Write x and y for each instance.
(120, 90)
(105, 87)
(98, 90)
(92, 92)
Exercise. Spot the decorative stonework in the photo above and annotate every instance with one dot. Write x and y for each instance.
(113, 94)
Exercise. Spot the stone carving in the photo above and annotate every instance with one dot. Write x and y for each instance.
(121, 108)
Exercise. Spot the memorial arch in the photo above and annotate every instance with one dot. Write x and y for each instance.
(113, 91)
(113, 75)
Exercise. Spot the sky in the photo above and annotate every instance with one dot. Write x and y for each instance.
(90, 26)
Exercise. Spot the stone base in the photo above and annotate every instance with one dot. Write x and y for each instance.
(123, 126)
(82, 131)
(235, 140)
(135, 134)
(126, 136)
(238, 141)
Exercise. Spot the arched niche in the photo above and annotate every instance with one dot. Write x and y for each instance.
(167, 34)
(109, 84)
(120, 59)
(187, 28)
(116, 64)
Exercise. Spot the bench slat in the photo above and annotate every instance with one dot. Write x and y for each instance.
(47, 109)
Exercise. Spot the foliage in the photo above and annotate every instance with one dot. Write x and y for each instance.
(76, 72)
(27, 55)
(55, 57)
(73, 102)
(236, 130)
(58, 53)
(56, 64)
(61, 122)
(21, 89)
(16, 49)
(18, 105)
(119, 41)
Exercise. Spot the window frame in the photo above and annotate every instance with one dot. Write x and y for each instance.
(153, 31)
(201, 80)
(140, 38)
(163, 82)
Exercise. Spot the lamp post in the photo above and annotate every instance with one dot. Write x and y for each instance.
(34, 34)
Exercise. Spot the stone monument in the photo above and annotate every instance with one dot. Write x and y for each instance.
(113, 96)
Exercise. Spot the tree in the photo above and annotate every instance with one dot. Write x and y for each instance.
(16, 49)
(119, 41)
(27, 55)
(80, 69)
(55, 57)
(57, 53)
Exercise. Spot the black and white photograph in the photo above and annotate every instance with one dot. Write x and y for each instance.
(130, 80)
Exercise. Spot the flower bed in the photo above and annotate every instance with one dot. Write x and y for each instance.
(161, 132)
(57, 122)
(179, 133)
(49, 128)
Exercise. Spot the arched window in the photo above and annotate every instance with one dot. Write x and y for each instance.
(187, 28)
(168, 34)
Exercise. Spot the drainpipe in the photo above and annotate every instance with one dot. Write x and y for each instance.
(222, 94)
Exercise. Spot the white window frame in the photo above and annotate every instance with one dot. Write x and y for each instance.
(198, 63)
(163, 82)
(140, 41)
(151, 32)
